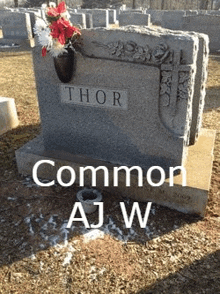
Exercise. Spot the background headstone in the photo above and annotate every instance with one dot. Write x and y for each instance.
(100, 17)
(78, 19)
(134, 19)
(206, 24)
(89, 18)
(16, 26)
(8, 115)
(112, 16)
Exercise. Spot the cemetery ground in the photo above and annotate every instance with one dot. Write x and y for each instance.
(176, 253)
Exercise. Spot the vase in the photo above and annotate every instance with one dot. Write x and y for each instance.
(65, 65)
(87, 197)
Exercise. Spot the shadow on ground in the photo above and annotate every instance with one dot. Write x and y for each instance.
(33, 218)
(212, 89)
(202, 274)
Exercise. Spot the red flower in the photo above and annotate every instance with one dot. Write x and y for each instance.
(54, 12)
(44, 51)
(62, 29)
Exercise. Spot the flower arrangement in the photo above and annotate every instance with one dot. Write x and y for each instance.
(55, 32)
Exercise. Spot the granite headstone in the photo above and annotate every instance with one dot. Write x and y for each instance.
(130, 99)
(78, 19)
(134, 18)
(206, 24)
(16, 25)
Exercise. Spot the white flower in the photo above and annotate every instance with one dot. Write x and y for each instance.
(52, 4)
(44, 6)
(42, 30)
(57, 49)
(39, 26)
(45, 39)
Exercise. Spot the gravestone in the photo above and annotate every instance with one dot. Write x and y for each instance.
(2, 13)
(123, 96)
(123, 7)
(172, 19)
(43, 11)
(100, 17)
(71, 10)
(216, 4)
(33, 16)
(128, 11)
(169, 19)
(206, 24)
(134, 19)
(78, 19)
(129, 103)
(156, 16)
(8, 115)
(191, 12)
(213, 12)
(16, 29)
(89, 19)
(16, 26)
(112, 16)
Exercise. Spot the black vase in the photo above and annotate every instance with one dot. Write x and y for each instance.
(65, 65)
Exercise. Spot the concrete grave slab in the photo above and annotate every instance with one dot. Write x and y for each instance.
(189, 199)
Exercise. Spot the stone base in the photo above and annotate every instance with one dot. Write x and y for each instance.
(189, 199)
(8, 115)
(16, 44)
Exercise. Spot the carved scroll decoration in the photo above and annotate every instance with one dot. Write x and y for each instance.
(131, 51)
(176, 81)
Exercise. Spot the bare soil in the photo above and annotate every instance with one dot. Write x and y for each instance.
(175, 253)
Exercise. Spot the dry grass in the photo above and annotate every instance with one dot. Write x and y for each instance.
(177, 254)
